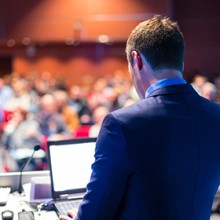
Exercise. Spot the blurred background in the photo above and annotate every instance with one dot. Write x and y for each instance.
(63, 65)
(86, 38)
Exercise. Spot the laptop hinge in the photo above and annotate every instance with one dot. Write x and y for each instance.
(64, 196)
(71, 196)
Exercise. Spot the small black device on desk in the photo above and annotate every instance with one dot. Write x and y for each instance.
(7, 215)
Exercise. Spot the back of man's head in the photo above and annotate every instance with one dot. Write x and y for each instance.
(160, 41)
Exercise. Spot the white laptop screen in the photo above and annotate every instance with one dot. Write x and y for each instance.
(71, 165)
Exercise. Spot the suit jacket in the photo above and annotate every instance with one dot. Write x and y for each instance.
(158, 159)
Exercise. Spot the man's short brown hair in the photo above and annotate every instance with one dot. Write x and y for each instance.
(160, 41)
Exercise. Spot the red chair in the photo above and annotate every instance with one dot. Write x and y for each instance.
(6, 116)
(82, 131)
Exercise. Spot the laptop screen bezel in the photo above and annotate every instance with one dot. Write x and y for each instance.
(56, 195)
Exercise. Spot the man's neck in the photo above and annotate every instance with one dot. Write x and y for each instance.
(165, 74)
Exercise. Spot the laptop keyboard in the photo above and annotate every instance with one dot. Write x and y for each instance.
(64, 206)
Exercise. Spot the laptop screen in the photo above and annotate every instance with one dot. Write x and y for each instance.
(70, 164)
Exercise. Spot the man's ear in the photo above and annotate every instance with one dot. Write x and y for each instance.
(137, 59)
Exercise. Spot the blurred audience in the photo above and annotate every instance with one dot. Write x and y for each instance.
(20, 131)
(38, 107)
(20, 135)
(70, 116)
(209, 91)
(198, 83)
(206, 88)
(99, 114)
(6, 92)
(216, 82)
(51, 122)
(80, 105)
(21, 97)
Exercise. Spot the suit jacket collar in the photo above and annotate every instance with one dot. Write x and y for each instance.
(182, 88)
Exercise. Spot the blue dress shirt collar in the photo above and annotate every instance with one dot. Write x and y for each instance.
(163, 83)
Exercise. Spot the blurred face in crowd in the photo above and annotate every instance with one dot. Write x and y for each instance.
(19, 115)
(99, 114)
(75, 92)
(48, 104)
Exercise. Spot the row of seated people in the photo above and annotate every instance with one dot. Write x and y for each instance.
(20, 134)
(33, 111)
(55, 115)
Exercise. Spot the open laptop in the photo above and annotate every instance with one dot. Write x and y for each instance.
(70, 163)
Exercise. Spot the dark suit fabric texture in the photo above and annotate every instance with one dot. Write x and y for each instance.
(158, 159)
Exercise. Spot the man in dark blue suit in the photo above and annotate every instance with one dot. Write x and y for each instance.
(158, 159)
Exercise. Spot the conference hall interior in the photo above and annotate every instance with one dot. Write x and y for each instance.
(68, 58)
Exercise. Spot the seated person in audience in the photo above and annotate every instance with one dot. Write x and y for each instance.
(21, 96)
(78, 102)
(20, 135)
(69, 114)
(6, 93)
(52, 123)
(98, 116)
(198, 82)
(209, 91)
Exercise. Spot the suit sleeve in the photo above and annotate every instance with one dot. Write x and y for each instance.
(110, 172)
